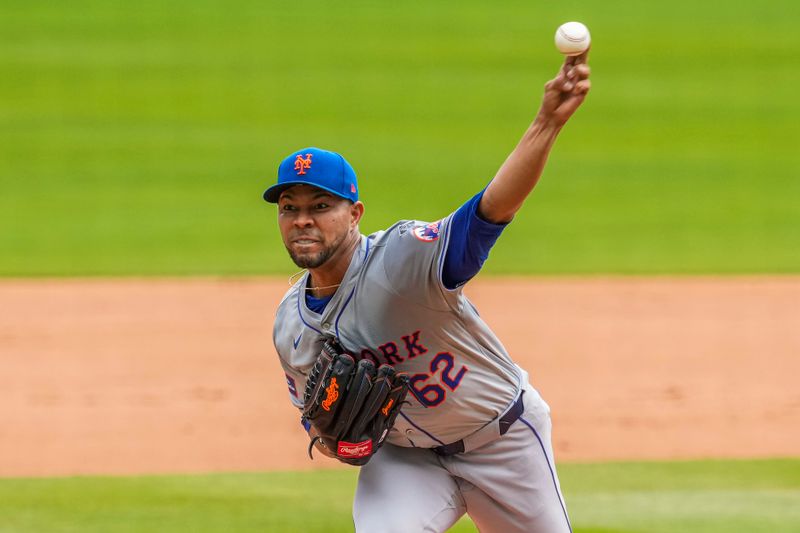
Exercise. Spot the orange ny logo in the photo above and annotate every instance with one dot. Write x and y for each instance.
(300, 164)
(331, 393)
(388, 406)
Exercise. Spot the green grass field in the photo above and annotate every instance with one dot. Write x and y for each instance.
(136, 138)
(692, 497)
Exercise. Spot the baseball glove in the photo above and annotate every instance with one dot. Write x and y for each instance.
(351, 405)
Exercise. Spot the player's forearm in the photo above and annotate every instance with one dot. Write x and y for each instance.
(519, 173)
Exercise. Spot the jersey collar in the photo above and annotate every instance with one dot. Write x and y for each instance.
(328, 322)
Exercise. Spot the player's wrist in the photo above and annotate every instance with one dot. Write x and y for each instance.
(546, 125)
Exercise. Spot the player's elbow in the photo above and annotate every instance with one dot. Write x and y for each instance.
(494, 213)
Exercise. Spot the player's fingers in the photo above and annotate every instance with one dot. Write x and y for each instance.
(582, 87)
(562, 72)
(579, 72)
(567, 77)
(571, 104)
(559, 86)
(569, 62)
(556, 83)
(566, 66)
(582, 58)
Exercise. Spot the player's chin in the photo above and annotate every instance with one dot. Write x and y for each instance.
(308, 259)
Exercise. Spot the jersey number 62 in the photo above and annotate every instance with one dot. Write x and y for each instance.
(432, 394)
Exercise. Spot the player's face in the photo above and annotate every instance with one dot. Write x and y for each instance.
(314, 223)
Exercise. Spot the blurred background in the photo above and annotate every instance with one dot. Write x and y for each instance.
(136, 138)
(140, 268)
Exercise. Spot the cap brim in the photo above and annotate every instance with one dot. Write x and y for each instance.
(272, 194)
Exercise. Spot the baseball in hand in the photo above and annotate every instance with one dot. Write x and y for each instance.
(572, 38)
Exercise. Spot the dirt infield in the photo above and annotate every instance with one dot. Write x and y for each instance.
(146, 376)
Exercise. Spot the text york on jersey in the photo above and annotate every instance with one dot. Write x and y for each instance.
(429, 388)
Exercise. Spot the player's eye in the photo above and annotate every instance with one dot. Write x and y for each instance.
(322, 206)
(288, 207)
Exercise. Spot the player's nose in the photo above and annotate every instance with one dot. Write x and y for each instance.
(303, 219)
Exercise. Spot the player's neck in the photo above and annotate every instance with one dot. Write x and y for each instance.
(325, 280)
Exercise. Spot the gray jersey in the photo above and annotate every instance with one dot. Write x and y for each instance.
(392, 307)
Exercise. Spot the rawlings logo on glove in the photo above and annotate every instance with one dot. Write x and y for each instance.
(351, 406)
(355, 449)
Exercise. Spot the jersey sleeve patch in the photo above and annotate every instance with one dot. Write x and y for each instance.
(412, 258)
(427, 232)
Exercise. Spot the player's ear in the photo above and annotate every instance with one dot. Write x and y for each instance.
(356, 212)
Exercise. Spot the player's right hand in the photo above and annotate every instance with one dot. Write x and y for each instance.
(566, 92)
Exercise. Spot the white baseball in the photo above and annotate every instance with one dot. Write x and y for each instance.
(572, 38)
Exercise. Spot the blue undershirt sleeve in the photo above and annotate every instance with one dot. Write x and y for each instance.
(471, 238)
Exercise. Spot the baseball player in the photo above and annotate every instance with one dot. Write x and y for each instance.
(472, 435)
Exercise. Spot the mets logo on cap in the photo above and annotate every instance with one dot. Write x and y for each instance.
(427, 232)
(301, 165)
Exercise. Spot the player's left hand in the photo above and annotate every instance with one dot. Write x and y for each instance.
(350, 405)
(566, 92)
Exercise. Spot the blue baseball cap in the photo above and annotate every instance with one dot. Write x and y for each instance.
(320, 168)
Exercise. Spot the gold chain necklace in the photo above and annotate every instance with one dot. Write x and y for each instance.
(294, 277)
